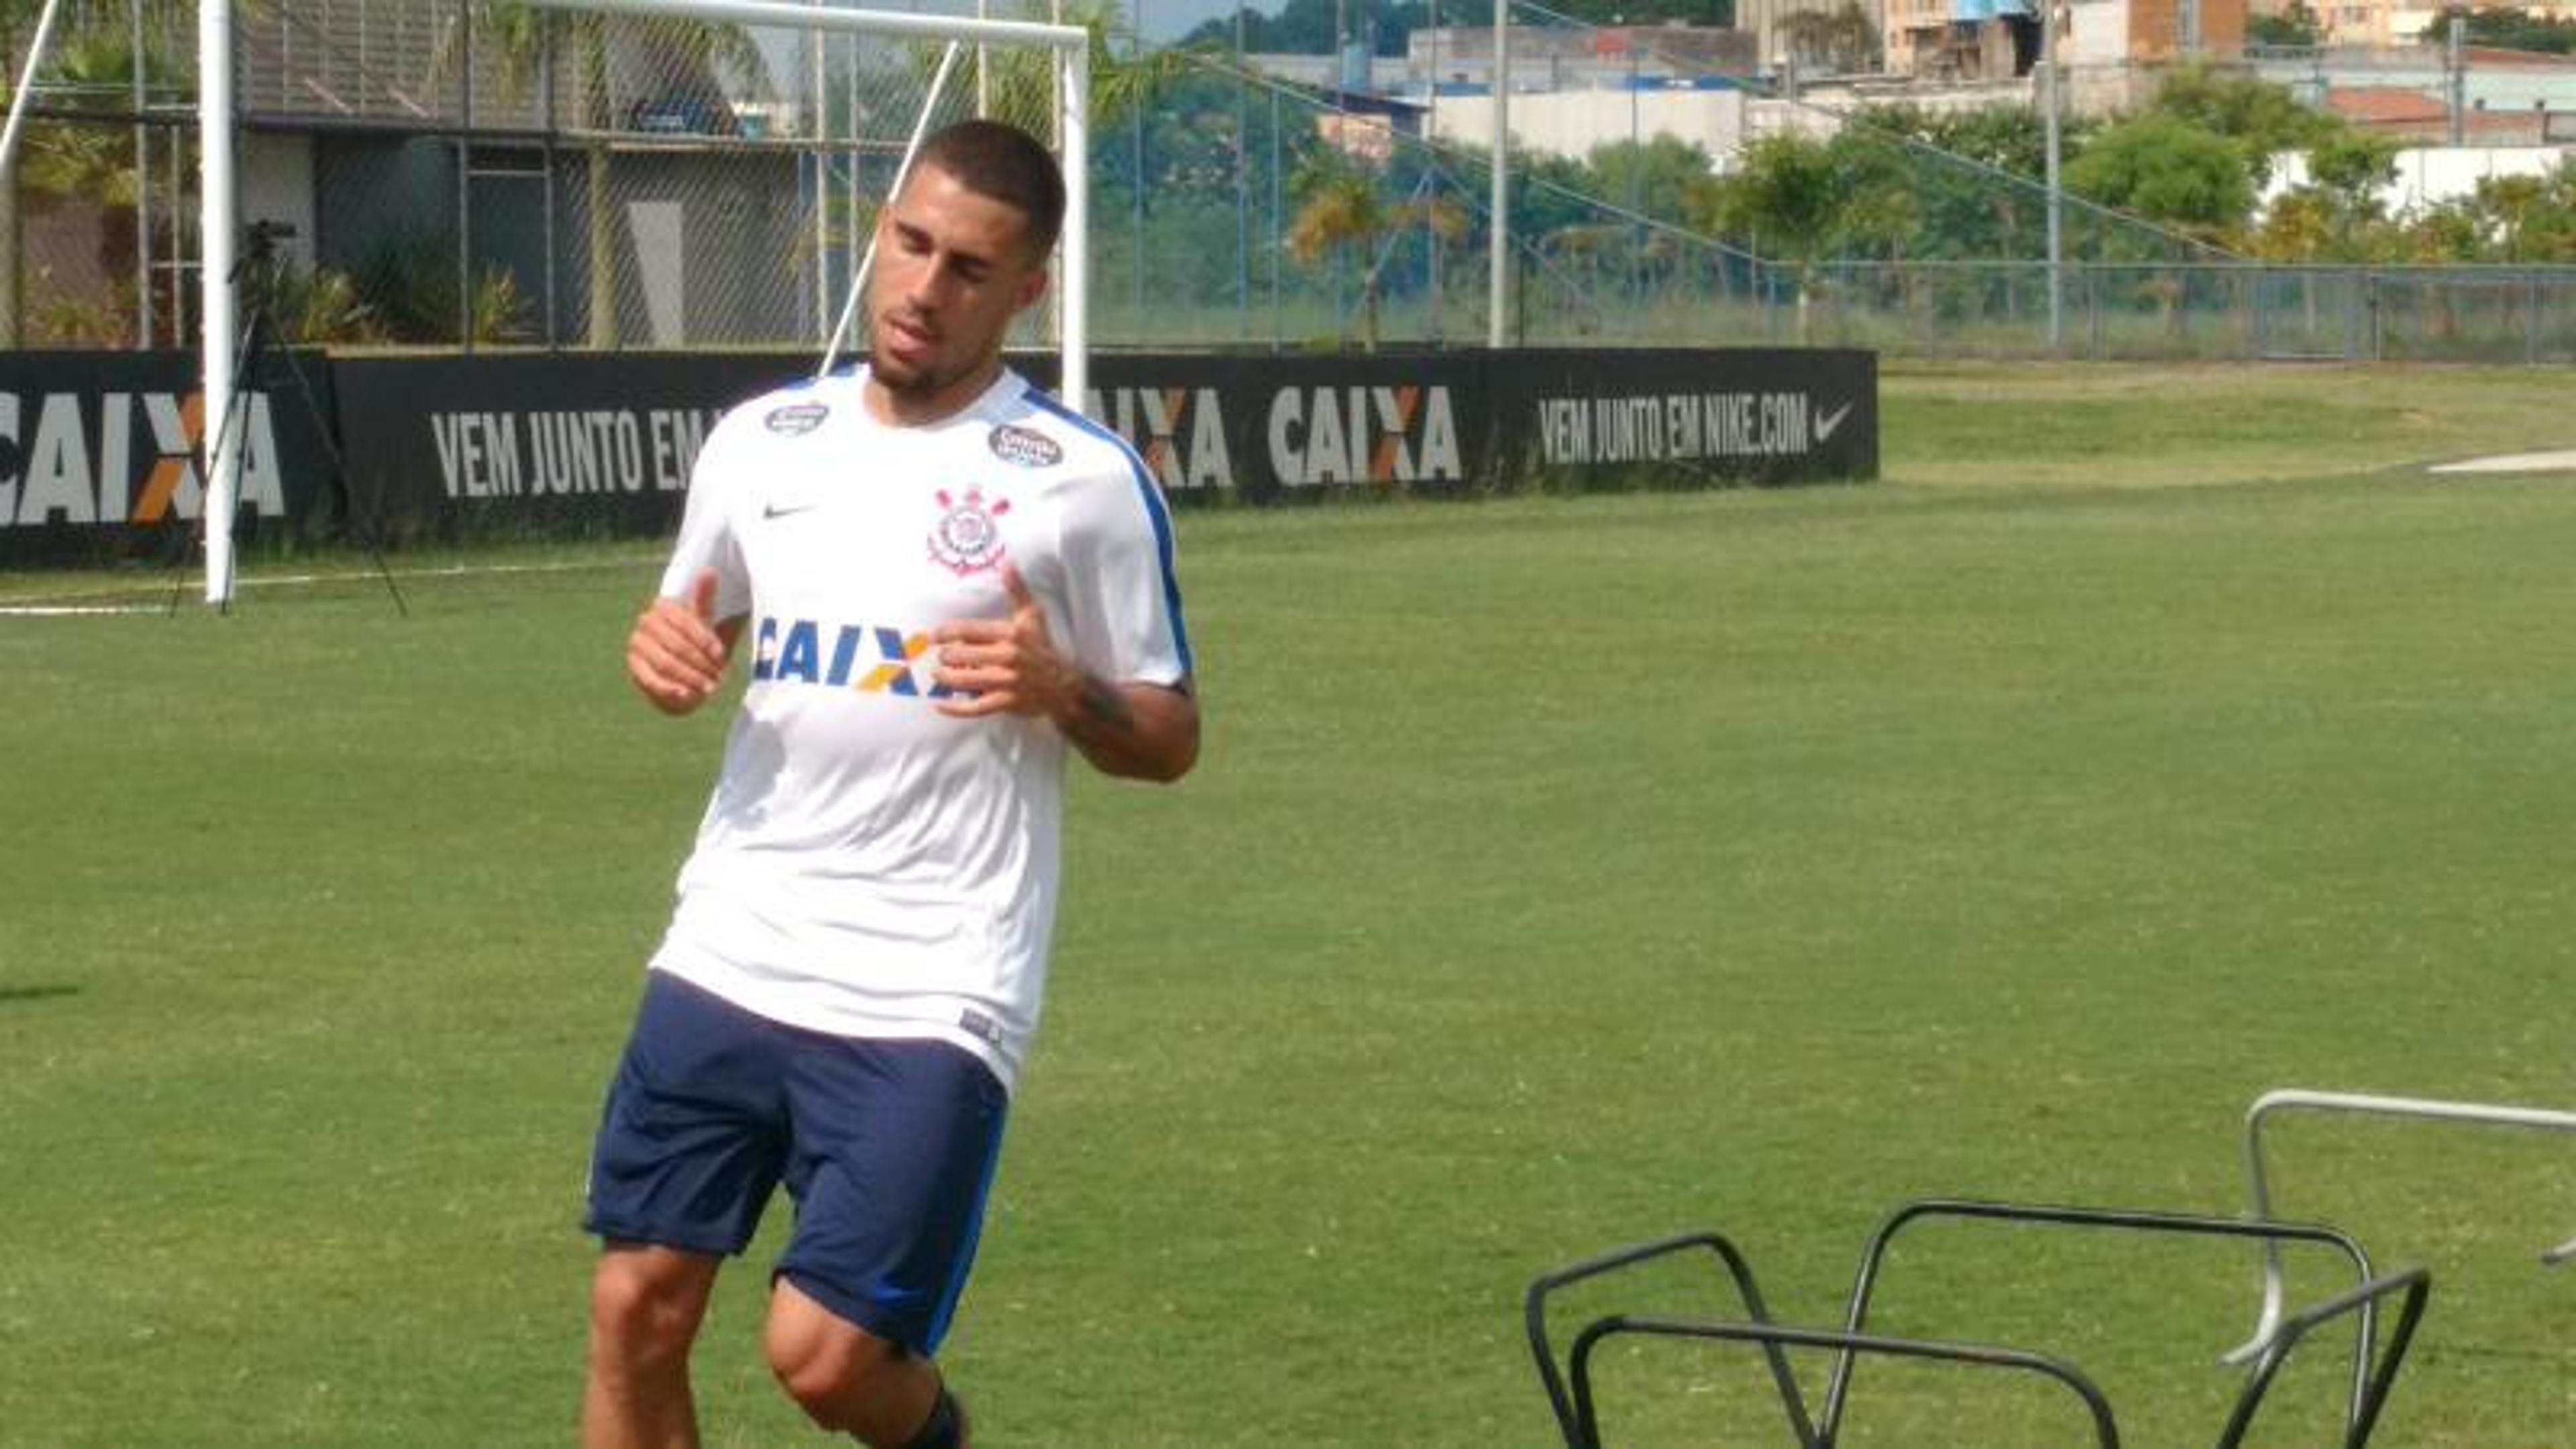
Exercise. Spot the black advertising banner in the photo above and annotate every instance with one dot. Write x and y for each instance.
(96, 448)
(1687, 419)
(1269, 429)
(98, 453)
(468, 447)
(1265, 429)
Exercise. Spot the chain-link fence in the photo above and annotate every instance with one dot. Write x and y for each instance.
(444, 174)
(491, 174)
(98, 205)
(2210, 311)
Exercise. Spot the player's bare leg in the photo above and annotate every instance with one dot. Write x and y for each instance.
(645, 1307)
(846, 1379)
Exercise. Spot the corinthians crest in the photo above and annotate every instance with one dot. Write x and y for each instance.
(966, 538)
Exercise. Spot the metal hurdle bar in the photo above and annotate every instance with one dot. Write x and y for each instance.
(2287, 1099)
(1577, 1413)
(1570, 1393)
(2362, 1406)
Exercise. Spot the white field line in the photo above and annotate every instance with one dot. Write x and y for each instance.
(2514, 463)
(53, 609)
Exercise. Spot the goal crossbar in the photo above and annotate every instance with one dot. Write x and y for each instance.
(220, 221)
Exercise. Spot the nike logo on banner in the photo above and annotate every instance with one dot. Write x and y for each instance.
(1826, 424)
(771, 511)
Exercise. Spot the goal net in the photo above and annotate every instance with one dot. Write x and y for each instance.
(589, 174)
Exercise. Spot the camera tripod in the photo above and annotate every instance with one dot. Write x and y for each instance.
(255, 274)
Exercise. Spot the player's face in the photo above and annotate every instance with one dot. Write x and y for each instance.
(952, 270)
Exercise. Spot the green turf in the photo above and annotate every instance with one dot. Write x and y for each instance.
(1560, 873)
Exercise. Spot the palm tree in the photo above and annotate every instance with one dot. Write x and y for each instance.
(86, 165)
(1019, 82)
(1345, 210)
(17, 18)
(1340, 211)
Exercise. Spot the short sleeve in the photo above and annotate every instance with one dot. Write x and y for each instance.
(707, 539)
(1122, 594)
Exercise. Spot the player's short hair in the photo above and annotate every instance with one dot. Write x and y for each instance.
(1008, 165)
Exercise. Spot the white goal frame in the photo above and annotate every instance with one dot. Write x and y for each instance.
(220, 214)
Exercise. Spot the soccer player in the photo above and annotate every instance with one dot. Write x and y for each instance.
(948, 579)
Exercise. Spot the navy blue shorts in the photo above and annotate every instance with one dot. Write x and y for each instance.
(887, 1147)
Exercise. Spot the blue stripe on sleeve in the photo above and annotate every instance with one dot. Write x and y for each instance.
(1157, 512)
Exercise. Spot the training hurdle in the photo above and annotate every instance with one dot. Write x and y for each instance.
(2300, 1099)
(1569, 1385)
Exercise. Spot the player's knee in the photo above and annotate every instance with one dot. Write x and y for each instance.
(639, 1314)
(831, 1372)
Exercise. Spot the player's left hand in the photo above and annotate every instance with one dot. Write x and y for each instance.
(1008, 665)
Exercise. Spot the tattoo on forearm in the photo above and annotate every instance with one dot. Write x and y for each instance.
(1101, 713)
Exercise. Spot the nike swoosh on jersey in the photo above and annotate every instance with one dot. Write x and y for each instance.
(774, 511)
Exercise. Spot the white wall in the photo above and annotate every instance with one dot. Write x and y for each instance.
(2430, 174)
(275, 183)
(1571, 123)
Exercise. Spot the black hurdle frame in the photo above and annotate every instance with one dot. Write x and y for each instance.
(1571, 1398)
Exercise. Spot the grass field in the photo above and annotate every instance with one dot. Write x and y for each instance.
(1560, 873)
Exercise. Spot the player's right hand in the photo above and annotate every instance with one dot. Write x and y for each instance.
(675, 656)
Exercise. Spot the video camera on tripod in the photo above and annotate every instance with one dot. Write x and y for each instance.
(260, 239)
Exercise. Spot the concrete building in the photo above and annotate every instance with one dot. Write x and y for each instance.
(2155, 32)
(1995, 39)
(2430, 175)
(2399, 22)
(1771, 21)
(1462, 57)
(1961, 39)
(2504, 97)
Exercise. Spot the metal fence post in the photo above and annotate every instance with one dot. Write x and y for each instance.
(2531, 322)
(2258, 330)
(465, 186)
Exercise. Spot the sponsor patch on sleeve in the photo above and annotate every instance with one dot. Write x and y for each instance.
(796, 418)
(1025, 447)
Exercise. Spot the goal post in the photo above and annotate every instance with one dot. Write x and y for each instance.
(1065, 81)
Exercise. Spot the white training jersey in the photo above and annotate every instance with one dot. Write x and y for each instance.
(868, 866)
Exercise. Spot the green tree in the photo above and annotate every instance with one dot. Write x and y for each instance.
(1781, 198)
(2337, 213)
(2161, 167)
(2260, 119)
(1344, 212)
(1783, 202)
(1021, 82)
(2299, 226)
(1339, 211)
(2530, 219)
(91, 165)
(1974, 178)
(2010, 138)
(1666, 178)
(2446, 231)
(2352, 167)
(2294, 26)
(2508, 28)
